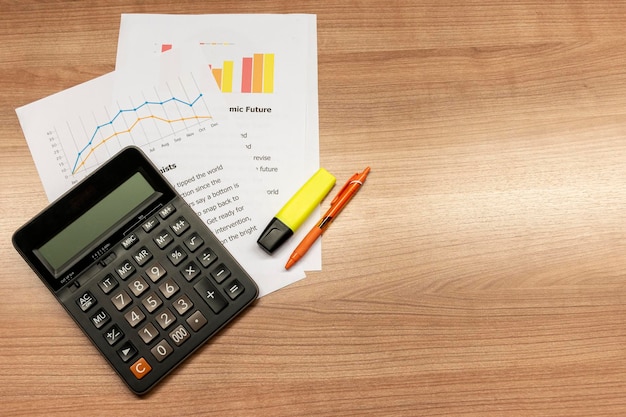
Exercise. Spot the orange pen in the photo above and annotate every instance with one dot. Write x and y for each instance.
(339, 202)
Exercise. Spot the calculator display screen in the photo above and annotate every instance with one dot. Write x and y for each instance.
(114, 207)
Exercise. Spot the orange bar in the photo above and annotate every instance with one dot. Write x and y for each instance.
(257, 73)
(217, 74)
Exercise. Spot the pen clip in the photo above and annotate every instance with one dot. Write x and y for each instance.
(343, 189)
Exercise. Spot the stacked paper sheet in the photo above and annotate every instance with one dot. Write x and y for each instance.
(224, 105)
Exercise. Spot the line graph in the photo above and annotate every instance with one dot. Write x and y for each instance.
(73, 132)
(89, 149)
(98, 123)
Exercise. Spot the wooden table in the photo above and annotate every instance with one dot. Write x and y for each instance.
(480, 272)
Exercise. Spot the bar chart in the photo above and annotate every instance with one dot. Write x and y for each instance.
(251, 74)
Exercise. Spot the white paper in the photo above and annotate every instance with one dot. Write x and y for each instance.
(73, 132)
(279, 128)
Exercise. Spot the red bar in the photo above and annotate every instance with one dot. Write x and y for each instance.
(246, 75)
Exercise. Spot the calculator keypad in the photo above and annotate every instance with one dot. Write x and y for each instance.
(135, 267)
(163, 288)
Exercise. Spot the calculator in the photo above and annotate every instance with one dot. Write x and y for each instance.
(136, 268)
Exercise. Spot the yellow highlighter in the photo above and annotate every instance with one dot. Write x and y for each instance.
(296, 211)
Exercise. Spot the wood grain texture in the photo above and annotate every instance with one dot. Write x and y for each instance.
(480, 272)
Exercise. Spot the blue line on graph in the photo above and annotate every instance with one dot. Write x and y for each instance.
(160, 103)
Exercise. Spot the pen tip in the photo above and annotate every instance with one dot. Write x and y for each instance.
(295, 257)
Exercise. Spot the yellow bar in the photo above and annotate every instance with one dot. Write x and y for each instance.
(257, 73)
(217, 74)
(227, 77)
(268, 73)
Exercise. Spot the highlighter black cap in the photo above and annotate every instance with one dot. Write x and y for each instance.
(275, 234)
(296, 211)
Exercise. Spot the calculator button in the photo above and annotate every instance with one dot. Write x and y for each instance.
(148, 333)
(108, 283)
(86, 301)
(180, 226)
(193, 242)
(125, 270)
(177, 255)
(163, 238)
(140, 368)
(129, 241)
(150, 224)
(121, 300)
(190, 271)
(207, 257)
(161, 350)
(100, 318)
(220, 273)
(196, 321)
(142, 256)
(209, 294)
(114, 335)
(134, 316)
(127, 351)
(234, 289)
(179, 335)
(166, 211)
(152, 302)
(156, 272)
(165, 318)
(182, 304)
(138, 286)
(169, 288)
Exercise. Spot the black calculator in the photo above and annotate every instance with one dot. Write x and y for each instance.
(136, 268)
